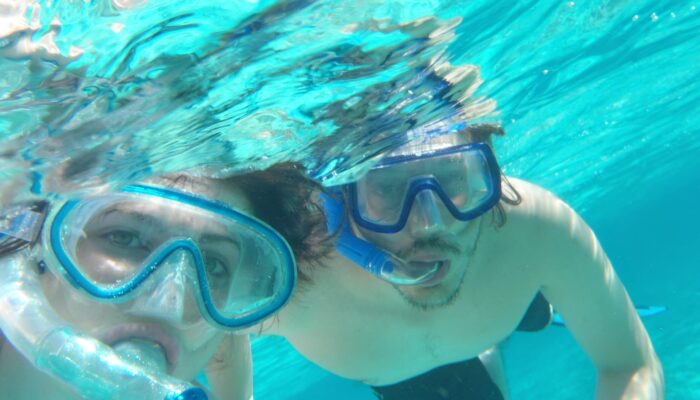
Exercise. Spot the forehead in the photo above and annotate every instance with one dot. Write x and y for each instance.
(427, 145)
(222, 191)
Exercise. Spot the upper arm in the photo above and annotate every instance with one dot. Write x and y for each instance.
(581, 284)
(229, 372)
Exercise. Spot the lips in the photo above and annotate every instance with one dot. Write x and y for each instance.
(443, 266)
(148, 332)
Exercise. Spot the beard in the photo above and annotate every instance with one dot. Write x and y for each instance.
(446, 292)
(435, 300)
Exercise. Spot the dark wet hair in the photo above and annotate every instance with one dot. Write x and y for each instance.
(484, 133)
(287, 199)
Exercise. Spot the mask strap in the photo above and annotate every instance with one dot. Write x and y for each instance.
(20, 226)
(24, 221)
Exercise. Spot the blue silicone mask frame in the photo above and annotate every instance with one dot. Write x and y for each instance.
(430, 183)
(206, 304)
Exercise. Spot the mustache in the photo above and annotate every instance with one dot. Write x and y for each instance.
(430, 245)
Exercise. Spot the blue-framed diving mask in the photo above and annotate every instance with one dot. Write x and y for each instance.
(463, 177)
(116, 247)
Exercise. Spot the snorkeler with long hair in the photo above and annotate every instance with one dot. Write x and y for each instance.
(439, 257)
(131, 294)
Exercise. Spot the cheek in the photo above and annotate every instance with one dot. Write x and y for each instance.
(198, 355)
(74, 307)
(466, 234)
(393, 242)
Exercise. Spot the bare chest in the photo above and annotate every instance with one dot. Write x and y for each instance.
(382, 343)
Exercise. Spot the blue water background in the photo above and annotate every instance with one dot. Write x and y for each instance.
(600, 100)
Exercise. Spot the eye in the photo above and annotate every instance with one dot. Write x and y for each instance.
(456, 181)
(387, 194)
(123, 238)
(217, 266)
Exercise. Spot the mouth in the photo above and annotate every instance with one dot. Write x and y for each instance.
(153, 335)
(440, 269)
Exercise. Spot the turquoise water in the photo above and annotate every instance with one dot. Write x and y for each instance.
(600, 100)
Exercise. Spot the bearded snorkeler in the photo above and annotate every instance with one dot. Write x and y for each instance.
(128, 295)
(452, 256)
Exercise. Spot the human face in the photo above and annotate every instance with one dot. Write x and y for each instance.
(166, 317)
(431, 236)
(424, 204)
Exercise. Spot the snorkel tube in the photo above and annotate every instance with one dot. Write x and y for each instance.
(51, 344)
(366, 255)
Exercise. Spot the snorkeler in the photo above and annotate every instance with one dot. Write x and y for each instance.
(129, 294)
(450, 262)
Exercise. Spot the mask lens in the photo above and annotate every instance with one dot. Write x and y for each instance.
(243, 284)
(463, 178)
(381, 195)
(111, 240)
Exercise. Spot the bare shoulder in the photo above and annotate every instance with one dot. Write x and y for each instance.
(537, 203)
(578, 279)
(542, 213)
(554, 232)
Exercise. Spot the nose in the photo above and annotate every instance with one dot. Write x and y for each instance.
(426, 218)
(169, 297)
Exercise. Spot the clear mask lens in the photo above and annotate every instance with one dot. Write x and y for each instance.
(464, 180)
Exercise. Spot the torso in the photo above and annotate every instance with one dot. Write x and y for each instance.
(358, 326)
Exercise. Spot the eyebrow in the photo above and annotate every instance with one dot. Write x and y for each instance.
(211, 237)
(150, 220)
(140, 216)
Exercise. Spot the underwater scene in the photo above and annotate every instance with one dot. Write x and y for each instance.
(599, 102)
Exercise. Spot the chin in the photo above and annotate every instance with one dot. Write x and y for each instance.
(438, 295)
(428, 298)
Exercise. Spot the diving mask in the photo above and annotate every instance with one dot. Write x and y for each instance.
(464, 177)
(114, 247)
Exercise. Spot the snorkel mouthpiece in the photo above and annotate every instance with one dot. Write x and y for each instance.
(382, 263)
(147, 354)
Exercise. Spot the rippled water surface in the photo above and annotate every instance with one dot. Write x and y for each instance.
(600, 101)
